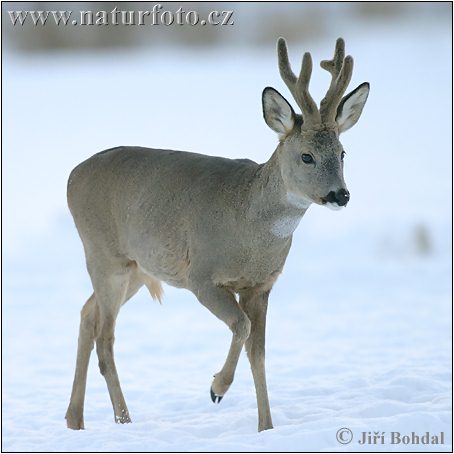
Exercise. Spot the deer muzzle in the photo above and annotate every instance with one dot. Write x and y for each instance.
(341, 197)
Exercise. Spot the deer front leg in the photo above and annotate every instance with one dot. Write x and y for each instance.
(224, 378)
(255, 306)
(223, 305)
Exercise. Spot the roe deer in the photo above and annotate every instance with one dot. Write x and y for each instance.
(221, 228)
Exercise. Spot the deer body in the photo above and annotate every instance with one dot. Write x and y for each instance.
(216, 220)
(215, 226)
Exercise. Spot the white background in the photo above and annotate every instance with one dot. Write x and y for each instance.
(359, 324)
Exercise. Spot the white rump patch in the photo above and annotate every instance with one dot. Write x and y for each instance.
(285, 226)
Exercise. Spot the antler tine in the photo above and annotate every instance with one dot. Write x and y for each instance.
(335, 65)
(341, 70)
(284, 63)
(284, 68)
(303, 89)
(299, 87)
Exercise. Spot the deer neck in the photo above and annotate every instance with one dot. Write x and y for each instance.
(277, 209)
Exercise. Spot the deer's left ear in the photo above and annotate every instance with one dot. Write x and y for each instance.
(351, 107)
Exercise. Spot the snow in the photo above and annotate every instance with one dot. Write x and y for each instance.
(359, 324)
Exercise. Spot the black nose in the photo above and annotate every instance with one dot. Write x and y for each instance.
(341, 197)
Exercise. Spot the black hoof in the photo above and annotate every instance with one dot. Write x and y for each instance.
(214, 397)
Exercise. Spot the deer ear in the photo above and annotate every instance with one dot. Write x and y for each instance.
(351, 107)
(278, 113)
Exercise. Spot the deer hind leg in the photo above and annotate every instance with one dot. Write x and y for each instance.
(87, 333)
(92, 325)
(112, 292)
(255, 306)
(224, 306)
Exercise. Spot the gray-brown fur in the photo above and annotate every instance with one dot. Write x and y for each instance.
(218, 227)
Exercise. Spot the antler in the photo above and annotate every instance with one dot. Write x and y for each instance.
(341, 70)
(299, 87)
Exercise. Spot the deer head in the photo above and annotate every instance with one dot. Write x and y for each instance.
(310, 154)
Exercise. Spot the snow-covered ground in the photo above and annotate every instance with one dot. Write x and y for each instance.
(359, 324)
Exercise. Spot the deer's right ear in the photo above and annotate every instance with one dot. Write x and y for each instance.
(278, 113)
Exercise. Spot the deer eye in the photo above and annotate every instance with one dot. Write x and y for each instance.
(343, 155)
(307, 158)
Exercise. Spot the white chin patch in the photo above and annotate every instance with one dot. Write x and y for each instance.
(333, 206)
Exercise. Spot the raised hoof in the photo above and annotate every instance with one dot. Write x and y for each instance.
(214, 397)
